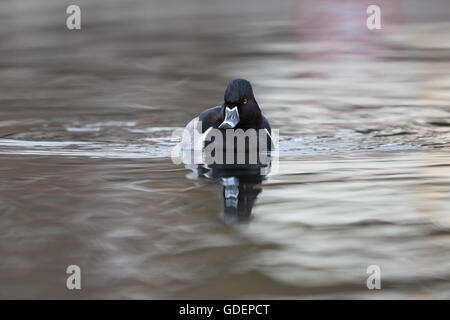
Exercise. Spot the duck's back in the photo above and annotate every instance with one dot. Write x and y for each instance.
(211, 117)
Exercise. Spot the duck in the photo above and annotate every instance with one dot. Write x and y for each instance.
(239, 110)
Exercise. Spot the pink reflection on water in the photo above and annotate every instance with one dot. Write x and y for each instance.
(340, 27)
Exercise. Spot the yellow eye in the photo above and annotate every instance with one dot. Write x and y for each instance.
(245, 101)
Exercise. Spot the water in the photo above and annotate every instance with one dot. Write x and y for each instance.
(86, 177)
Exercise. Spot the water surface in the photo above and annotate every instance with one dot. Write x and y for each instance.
(86, 133)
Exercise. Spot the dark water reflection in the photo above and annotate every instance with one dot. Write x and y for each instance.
(241, 187)
(86, 135)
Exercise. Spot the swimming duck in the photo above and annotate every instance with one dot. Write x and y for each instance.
(238, 111)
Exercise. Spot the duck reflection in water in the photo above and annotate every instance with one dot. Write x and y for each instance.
(241, 187)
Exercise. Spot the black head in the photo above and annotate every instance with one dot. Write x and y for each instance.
(238, 90)
(239, 95)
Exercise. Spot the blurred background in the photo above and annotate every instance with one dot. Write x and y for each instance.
(86, 122)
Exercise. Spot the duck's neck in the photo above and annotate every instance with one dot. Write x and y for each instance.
(252, 118)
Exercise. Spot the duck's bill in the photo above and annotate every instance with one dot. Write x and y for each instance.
(231, 118)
